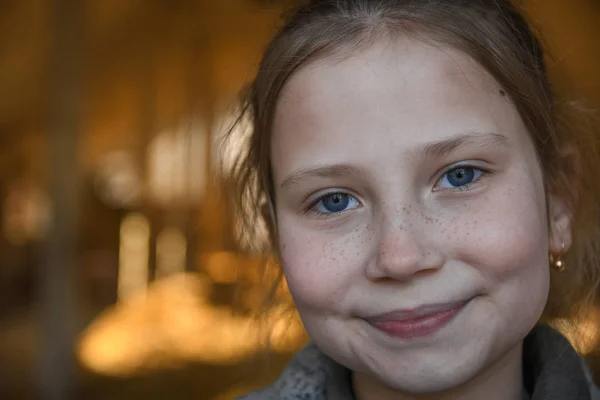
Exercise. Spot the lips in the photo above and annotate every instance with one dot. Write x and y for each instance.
(417, 322)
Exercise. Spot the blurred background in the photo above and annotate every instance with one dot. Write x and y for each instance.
(121, 274)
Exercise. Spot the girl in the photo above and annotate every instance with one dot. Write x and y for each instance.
(429, 200)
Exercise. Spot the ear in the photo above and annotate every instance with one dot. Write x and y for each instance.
(561, 225)
(560, 213)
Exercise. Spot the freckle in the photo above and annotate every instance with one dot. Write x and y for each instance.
(502, 92)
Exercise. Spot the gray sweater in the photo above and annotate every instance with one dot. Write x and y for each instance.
(552, 371)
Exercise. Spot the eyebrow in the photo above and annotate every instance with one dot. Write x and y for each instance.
(470, 139)
(324, 171)
(431, 150)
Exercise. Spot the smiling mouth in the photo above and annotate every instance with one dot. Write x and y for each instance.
(418, 322)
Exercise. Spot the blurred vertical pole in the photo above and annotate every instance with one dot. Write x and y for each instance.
(147, 87)
(200, 105)
(57, 282)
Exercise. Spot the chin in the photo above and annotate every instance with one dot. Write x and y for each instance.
(429, 380)
(427, 371)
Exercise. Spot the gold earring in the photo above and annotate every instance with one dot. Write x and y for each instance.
(556, 261)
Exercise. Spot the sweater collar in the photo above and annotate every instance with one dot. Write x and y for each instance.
(552, 368)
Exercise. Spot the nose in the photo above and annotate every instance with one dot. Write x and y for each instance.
(404, 248)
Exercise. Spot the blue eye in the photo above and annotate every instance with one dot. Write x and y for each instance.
(335, 203)
(459, 177)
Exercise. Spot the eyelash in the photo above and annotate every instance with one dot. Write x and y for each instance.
(464, 188)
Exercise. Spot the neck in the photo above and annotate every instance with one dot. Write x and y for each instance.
(500, 381)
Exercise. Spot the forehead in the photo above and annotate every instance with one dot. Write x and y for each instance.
(391, 67)
(405, 92)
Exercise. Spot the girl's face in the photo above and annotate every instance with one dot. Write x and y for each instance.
(411, 215)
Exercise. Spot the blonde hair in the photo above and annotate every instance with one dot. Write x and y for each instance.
(496, 36)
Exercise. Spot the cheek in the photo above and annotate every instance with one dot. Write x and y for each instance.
(319, 268)
(514, 230)
(508, 245)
